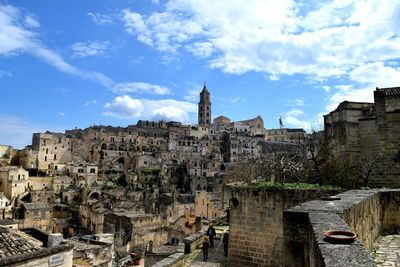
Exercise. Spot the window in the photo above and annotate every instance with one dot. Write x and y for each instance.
(92, 170)
(45, 158)
(47, 150)
(55, 156)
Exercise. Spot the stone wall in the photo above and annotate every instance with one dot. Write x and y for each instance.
(256, 231)
(366, 213)
(381, 138)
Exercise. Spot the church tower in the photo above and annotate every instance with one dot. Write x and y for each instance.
(204, 107)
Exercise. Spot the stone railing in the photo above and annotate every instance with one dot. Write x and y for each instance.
(366, 213)
(174, 260)
(193, 241)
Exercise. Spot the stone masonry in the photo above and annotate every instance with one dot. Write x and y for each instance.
(256, 224)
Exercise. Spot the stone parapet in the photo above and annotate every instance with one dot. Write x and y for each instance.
(193, 241)
(174, 260)
(366, 213)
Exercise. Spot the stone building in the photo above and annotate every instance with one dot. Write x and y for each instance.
(365, 131)
(36, 215)
(5, 207)
(31, 248)
(292, 135)
(206, 205)
(135, 229)
(13, 181)
(52, 148)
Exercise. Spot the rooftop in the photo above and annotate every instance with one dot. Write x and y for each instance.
(14, 242)
(390, 91)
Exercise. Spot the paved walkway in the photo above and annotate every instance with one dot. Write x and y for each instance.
(215, 256)
(387, 252)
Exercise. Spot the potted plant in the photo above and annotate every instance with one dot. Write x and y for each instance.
(136, 260)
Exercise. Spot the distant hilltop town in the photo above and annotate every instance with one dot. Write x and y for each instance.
(205, 148)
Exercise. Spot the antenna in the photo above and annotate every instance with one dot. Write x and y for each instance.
(281, 123)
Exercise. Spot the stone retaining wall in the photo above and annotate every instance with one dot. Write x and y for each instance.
(256, 223)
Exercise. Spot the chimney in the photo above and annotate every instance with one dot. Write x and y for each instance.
(54, 240)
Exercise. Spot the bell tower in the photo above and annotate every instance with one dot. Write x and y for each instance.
(204, 107)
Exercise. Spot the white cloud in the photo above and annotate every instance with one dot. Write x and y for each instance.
(15, 39)
(321, 40)
(192, 95)
(377, 74)
(100, 19)
(349, 93)
(201, 49)
(5, 73)
(126, 107)
(31, 22)
(91, 102)
(274, 77)
(366, 78)
(326, 88)
(17, 132)
(293, 118)
(235, 100)
(61, 113)
(140, 87)
(89, 49)
(298, 102)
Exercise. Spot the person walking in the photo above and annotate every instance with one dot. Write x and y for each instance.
(205, 247)
(225, 241)
(211, 234)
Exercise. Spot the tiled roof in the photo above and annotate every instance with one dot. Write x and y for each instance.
(18, 246)
(14, 242)
(389, 91)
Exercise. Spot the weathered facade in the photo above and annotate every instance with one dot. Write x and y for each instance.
(367, 131)
(13, 181)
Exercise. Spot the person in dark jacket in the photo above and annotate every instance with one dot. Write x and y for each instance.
(204, 248)
(225, 241)
(211, 234)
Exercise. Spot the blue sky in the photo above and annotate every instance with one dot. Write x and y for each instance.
(66, 64)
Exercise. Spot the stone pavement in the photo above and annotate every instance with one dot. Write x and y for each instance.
(387, 251)
(215, 256)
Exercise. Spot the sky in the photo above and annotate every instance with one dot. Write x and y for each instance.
(73, 63)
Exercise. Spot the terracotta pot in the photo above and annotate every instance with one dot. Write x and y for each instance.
(340, 236)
